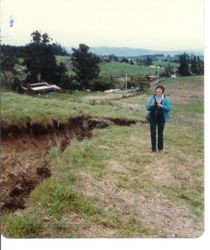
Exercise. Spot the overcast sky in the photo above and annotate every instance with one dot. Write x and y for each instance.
(150, 24)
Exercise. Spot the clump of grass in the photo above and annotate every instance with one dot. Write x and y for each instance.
(52, 196)
(20, 225)
(107, 220)
(55, 156)
(193, 198)
(195, 107)
(84, 155)
(56, 199)
(70, 176)
(61, 225)
(139, 159)
(186, 79)
(135, 181)
(134, 228)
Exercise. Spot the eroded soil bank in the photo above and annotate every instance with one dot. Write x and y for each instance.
(24, 150)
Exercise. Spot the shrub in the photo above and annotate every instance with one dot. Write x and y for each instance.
(102, 83)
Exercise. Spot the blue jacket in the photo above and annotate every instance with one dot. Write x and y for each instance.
(166, 107)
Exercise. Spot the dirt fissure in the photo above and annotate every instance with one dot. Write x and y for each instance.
(24, 150)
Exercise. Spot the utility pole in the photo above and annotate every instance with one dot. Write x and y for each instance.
(126, 81)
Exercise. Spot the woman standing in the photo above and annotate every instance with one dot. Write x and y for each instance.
(158, 106)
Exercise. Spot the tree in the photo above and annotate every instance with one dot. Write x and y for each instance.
(102, 83)
(168, 70)
(112, 57)
(200, 66)
(9, 79)
(40, 62)
(36, 37)
(194, 65)
(85, 65)
(7, 62)
(57, 49)
(148, 61)
(139, 82)
(14, 51)
(184, 68)
(124, 60)
(197, 65)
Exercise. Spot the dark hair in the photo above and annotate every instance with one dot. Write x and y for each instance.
(160, 87)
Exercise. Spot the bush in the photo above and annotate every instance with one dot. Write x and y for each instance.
(68, 82)
(138, 82)
(102, 83)
(10, 82)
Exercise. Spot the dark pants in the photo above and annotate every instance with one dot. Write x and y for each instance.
(160, 124)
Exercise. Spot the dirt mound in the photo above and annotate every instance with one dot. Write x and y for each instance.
(24, 149)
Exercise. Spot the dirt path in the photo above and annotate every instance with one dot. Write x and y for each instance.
(156, 82)
(151, 208)
(161, 215)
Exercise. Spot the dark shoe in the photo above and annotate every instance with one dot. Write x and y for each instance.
(153, 151)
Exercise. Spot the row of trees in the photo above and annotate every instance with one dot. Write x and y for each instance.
(190, 65)
(39, 64)
(20, 51)
(145, 61)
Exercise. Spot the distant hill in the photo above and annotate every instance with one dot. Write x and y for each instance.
(128, 52)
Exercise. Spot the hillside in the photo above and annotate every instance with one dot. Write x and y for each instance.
(78, 165)
(129, 52)
(116, 68)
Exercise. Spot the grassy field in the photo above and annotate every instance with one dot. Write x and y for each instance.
(111, 185)
(116, 69)
(43, 109)
(107, 69)
(164, 64)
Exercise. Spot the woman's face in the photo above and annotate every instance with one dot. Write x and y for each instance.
(159, 91)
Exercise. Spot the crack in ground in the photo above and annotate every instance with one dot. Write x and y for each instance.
(24, 149)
